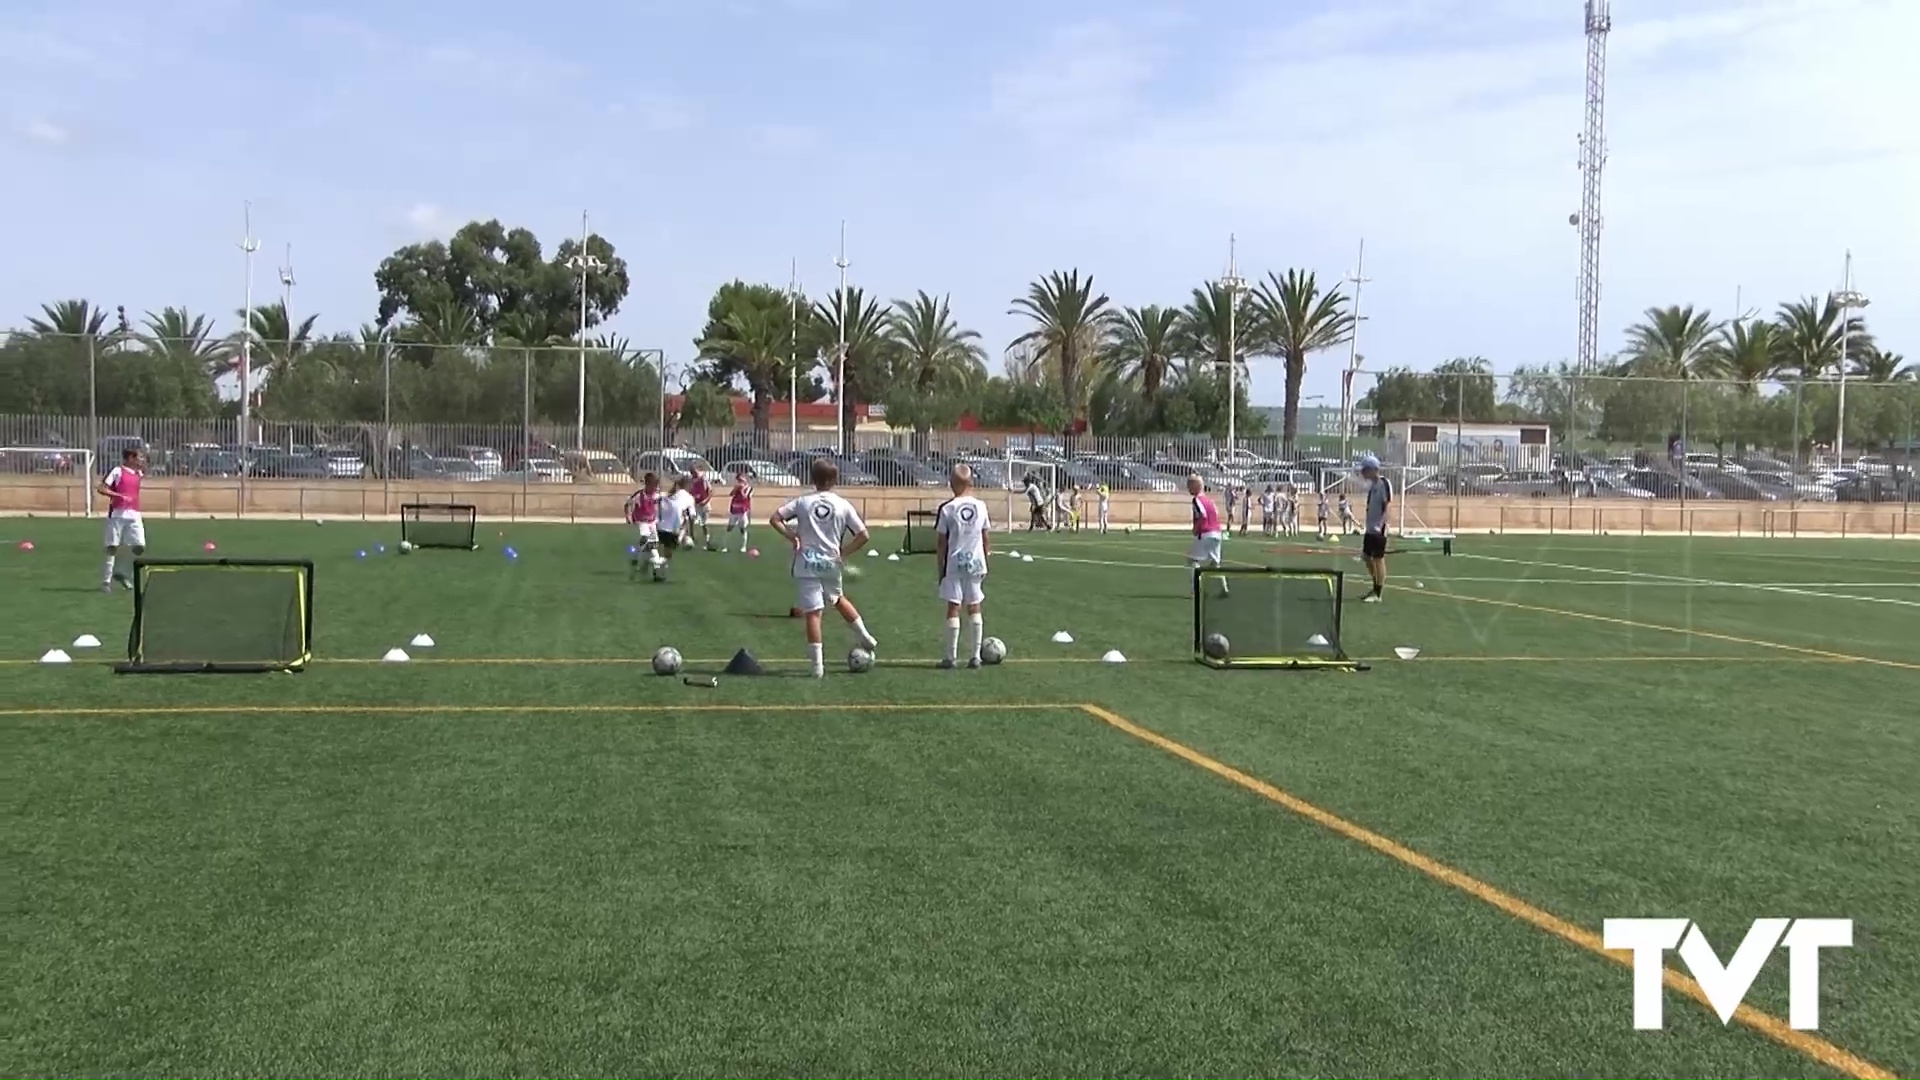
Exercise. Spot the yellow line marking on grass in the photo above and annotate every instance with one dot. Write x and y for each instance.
(1711, 634)
(1814, 1047)
(413, 710)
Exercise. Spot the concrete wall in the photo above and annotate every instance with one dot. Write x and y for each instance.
(56, 496)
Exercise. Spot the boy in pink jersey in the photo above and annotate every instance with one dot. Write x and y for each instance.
(740, 506)
(121, 487)
(1206, 529)
(702, 493)
(643, 512)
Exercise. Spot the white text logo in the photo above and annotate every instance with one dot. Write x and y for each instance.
(1726, 985)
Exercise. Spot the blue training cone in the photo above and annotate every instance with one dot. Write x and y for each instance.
(512, 554)
(361, 554)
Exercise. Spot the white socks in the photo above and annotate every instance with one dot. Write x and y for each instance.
(866, 639)
(976, 631)
(953, 638)
(813, 654)
(113, 564)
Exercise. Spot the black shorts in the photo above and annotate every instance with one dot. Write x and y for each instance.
(669, 541)
(1374, 545)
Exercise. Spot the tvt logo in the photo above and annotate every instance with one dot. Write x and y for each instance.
(1726, 985)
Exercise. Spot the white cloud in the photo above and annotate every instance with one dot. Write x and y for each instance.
(429, 219)
(787, 137)
(46, 131)
(657, 113)
(1445, 132)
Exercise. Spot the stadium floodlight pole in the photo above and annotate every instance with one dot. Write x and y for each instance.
(248, 245)
(1847, 300)
(793, 356)
(1233, 285)
(840, 351)
(584, 264)
(1358, 279)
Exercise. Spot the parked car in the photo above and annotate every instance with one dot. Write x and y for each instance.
(537, 471)
(670, 464)
(343, 462)
(106, 452)
(1128, 476)
(896, 470)
(219, 463)
(461, 470)
(851, 474)
(596, 467)
(760, 473)
(275, 463)
(484, 458)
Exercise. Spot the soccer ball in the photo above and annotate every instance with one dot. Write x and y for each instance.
(666, 661)
(859, 660)
(406, 547)
(1215, 646)
(992, 651)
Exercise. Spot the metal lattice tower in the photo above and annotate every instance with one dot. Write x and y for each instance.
(1593, 160)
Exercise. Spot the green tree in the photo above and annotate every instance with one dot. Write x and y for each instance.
(1068, 318)
(1294, 320)
(1140, 346)
(938, 365)
(1749, 354)
(868, 349)
(1674, 342)
(750, 335)
(495, 272)
(1811, 330)
(705, 405)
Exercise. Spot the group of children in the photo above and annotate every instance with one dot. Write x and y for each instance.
(1280, 510)
(1060, 510)
(666, 520)
(823, 529)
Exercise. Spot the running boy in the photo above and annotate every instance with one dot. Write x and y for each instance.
(740, 506)
(121, 487)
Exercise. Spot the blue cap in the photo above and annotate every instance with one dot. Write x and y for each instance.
(1369, 462)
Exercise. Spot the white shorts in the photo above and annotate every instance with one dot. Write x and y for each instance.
(814, 594)
(126, 531)
(1205, 551)
(736, 521)
(649, 532)
(963, 589)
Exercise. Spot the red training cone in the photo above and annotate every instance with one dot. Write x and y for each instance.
(208, 546)
(26, 545)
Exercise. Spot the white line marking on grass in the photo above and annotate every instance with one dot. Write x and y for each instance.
(1677, 579)
(1679, 583)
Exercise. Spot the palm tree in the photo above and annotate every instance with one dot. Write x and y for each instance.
(1207, 322)
(757, 340)
(937, 364)
(69, 319)
(278, 343)
(1068, 319)
(1140, 345)
(1747, 353)
(176, 333)
(867, 342)
(1812, 328)
(442, 326)
(1672, 342)
(1293, 320)
(1877, 365)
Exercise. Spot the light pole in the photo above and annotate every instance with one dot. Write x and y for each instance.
(248, 245)
(840, 352)
(793, 357)
(1233, 285)
(1847, 300)
(1358, 279)
(586, 265)
(660, 358)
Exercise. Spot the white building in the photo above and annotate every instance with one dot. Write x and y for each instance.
(1444, 444)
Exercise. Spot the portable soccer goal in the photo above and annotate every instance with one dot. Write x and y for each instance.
(440, 525)
(921, 538)
(220, 615)
(1019, 508)
(1268, 617)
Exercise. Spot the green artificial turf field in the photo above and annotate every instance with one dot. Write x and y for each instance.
(522, 853)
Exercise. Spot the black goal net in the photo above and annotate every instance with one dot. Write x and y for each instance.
(920, 539)
(1268, 618)
(439, 525)
(192, 615)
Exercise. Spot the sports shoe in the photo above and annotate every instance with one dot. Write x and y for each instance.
(106, 586)
(946, 665)
(1371, 598)
(973, 663)
(820, 673)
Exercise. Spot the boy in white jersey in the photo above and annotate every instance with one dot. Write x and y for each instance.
(1269, 511)
(960, 552)
(121, 487)
(1106, 499)
(814, 524)
(672, 527)
(740, 506)
(1324, 513)
(1347, 522)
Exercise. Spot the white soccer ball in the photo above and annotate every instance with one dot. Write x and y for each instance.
(992, 651)
(666, 661)
(1216, 646)
(406, 547)
(859, 660)
(656, 560)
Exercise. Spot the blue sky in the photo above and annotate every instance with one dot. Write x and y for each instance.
(971, 147)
